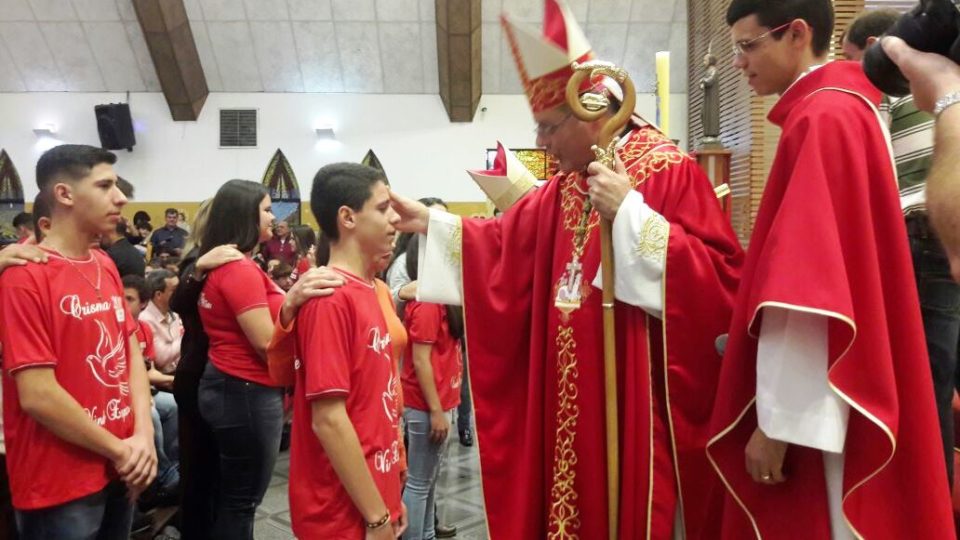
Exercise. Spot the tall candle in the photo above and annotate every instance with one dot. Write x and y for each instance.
(663, 91)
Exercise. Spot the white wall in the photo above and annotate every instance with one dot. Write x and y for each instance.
(423, 153)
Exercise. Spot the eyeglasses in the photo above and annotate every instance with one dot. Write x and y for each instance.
(742, 47)
(545, 130)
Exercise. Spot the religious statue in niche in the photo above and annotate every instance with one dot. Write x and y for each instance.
(710, 111)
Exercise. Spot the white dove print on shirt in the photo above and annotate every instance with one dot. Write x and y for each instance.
(109, 361)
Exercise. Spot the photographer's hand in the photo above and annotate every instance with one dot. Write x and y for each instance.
(931, 75)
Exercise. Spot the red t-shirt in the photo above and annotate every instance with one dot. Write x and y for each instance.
(53, 318)
(145, 337)
(230, 291)
(427, 324)
(344, 351)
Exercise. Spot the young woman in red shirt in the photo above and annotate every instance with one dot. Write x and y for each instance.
(432, 375)
(236, 396)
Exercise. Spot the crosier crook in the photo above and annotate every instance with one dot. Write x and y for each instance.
(605, 151)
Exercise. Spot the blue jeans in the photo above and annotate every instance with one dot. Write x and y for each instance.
(940, 307)
(424, 460)
(166, 439)
(246, 419)
(104, 515)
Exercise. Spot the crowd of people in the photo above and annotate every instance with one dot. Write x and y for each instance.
(163, 366)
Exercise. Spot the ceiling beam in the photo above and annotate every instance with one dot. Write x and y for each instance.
(458, 57)
(174, 52)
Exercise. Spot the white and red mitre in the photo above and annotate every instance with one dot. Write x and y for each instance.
(507, 181)
(544, 59)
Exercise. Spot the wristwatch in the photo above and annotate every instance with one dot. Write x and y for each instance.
(951, 98)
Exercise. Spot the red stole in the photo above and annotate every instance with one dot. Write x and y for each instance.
(537, 378)
(830, 238)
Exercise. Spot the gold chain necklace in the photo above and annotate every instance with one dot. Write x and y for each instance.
(84, 276)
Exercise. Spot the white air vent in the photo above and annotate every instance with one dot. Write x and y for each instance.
(238, 128)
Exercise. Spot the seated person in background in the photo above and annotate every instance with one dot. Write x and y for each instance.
(166, 325)
(164, 411)
(170, 238)
(280, 274)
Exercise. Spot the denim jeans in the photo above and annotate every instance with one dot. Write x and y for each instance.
(424, 460)
(104, 515)
(166, 439)
(940, 307)
(246, 419)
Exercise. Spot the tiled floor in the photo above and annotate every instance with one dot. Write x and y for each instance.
(460, 500)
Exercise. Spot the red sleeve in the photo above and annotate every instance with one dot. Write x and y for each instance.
(324, 335)
(25, 332)
(129, 323)
(236, 284)
(424, 322)
(148, 352)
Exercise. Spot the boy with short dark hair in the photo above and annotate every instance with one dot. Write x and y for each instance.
(76, 397)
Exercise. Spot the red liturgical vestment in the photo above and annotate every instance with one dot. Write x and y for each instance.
(830, 240)
(537, 374)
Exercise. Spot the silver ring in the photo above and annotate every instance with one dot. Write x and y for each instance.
(767, 477)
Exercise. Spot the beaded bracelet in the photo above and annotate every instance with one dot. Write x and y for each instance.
(380, 522)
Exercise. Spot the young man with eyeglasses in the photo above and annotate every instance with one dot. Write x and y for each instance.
(530, 289)
(824, 426)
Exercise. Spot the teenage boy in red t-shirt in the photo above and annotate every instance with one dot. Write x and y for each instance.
(75, 394)
(344, 459)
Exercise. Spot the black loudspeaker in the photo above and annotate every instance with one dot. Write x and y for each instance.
(115, 126)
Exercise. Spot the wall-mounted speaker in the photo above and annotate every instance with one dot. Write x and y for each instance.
(115, 126)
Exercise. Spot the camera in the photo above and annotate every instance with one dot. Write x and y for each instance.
(931, 26)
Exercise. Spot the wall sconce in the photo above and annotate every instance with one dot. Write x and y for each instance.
(325, 133)
(46, 137)
(46, 130)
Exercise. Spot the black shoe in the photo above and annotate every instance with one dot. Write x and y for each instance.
(466, 437)
(445, 531)
(285, 438)
(158, 497)
(141, 522)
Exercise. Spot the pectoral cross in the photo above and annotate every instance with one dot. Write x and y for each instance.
(568, 290)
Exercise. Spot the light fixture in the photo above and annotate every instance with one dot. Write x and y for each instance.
(45, 131)
(325, 133)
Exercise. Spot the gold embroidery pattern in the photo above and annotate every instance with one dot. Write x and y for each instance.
(652, 244)
(646, 153)
(564, 520)
(454, 251)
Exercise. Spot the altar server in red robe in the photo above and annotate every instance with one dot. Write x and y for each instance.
(825, 425)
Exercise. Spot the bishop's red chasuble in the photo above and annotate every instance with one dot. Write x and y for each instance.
(830, 239)
(537, 375)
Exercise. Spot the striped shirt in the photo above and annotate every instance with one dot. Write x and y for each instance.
(911, 131)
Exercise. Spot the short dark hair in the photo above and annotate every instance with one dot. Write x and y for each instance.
(23, 219)
(337, 185)
(140, 217)
(234, 216)
(306, 238)
(869, 24)
(133, 281)
(773, 13)
(157, 281)
(169, 211)
(72, 160)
